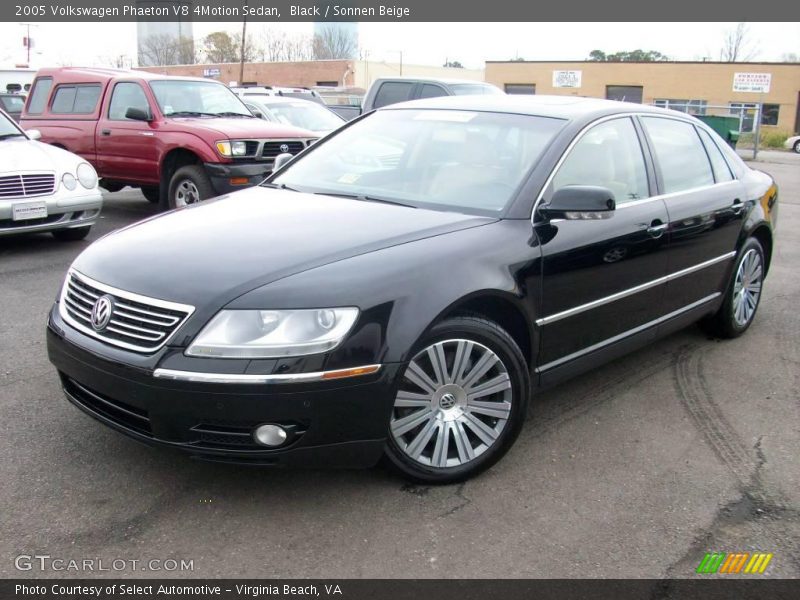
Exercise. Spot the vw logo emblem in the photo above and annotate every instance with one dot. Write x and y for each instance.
(284, 148)
(101, 312)
(447, 401)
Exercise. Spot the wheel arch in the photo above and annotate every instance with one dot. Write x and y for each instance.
(763, 234)
(174, 159)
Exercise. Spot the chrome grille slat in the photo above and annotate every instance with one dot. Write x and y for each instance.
(137, 322)
(27, 185)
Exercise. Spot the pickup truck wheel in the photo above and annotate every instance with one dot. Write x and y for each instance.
(152, 194)
(189, 185)
(71, 235)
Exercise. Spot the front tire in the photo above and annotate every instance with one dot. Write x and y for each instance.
(71, 235)
(460, 403)
(797, 146)
(189, 185)
(743, 294)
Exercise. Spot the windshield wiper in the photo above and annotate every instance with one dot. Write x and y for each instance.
(6, 136)
(280, 186)
(235, 114)
(365, 198)
(190, 113)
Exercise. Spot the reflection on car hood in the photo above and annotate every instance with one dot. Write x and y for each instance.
(244, 128)
(17, 154)
(218, 250)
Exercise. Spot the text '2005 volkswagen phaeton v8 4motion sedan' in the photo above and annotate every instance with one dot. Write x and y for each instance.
(403, 287)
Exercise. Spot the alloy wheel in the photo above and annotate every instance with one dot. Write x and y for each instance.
(453, 403)
(186, 193)
(747, 287)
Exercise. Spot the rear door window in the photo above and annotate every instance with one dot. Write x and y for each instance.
(430, 90)
(75, 99)
(39, 95)
(722, 172)
(681, 157)
(392, 92)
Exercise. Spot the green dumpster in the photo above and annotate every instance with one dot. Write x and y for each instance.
(726, 127)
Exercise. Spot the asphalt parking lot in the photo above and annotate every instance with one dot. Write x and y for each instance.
(634, 470)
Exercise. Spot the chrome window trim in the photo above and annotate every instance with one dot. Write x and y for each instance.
(630, 291)
(157, 302)
(624, 334)
(586, 129)
(198, 377)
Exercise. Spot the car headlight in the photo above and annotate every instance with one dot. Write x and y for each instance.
(69, 181)
(273, 333)
(87, 176)
(227, 148)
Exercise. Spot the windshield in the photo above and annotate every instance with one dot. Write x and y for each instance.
(446, 159)
(12, 103)
(475, 89)
(304, 114)
(7, 128)
(184, 98)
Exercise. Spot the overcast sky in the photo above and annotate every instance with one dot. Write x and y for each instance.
(426, 43)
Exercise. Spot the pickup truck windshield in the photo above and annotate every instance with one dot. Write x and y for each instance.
(197, 98)
(465, 161)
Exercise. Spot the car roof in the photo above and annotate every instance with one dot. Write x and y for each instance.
(93, 74)
(561, 107)
(268, 99)
(445, 80)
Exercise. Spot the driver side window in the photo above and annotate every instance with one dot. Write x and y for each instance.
(126, 95)
(608, 155)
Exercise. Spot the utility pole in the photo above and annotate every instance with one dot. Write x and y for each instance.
(244, 44)
(28, 41)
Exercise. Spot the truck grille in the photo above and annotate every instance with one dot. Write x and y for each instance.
(26, 186)
(136, 322)
(271, 149)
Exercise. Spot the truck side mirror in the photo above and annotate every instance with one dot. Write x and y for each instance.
(137, 114)
(282, 160)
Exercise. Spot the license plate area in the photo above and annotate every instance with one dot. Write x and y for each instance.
(24, 211)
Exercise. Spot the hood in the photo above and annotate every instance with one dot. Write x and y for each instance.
(26, 155)
(242, 128)
(213, 252)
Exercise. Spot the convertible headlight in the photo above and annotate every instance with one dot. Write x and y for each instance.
(273, 333)
(87, 176)
(69, 181)
(229, 149)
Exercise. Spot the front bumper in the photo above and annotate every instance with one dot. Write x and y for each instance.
(222, 174)
(341, 423)
(63, 212)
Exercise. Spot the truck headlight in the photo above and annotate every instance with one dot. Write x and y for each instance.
(87, 176)
(273, 333)
(227, 148)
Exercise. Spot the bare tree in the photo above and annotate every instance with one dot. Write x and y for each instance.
(157, 50)
(277, 46)
(185, 51)
(334, 42)
(790, 57)
(737, 45)
(118, 61)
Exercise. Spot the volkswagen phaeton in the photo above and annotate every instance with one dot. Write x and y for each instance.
(403, 288)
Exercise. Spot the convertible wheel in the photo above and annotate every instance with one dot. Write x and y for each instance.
(743, 294)
(460, 403)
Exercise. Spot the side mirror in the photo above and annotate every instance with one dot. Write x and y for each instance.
(575, 202)
(137, 114)
(282, 160)
(34, 134)
(257, 113)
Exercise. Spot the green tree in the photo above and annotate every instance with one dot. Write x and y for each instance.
(637, 55)
(221, 47)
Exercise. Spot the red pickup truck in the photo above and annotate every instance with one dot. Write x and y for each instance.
(180, 140)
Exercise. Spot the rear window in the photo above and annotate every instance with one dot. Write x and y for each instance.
(75, 99)
(39, 94)
(392, 92)
(13, 103)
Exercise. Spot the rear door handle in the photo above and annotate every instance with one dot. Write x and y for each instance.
(657, 229)
(105, 132)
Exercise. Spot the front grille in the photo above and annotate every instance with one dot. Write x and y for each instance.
(136, 322)
(125, 415)
(27, 186)
(271, 149)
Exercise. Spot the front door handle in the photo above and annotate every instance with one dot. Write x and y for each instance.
(737, 207)
(657, 229)
(105, 132)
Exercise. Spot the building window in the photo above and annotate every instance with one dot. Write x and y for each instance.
(520, 88)
(624, 93)
(746, 112)
(328, 83)
(693, 107)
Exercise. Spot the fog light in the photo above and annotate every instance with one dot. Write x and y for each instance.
(270, 435)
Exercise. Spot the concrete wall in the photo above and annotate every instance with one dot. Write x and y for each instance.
(712, 82)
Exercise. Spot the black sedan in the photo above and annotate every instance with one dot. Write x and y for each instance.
(405, 286)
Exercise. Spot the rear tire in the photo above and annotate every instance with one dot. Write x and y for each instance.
(742, 295)
(71, 235)
(152, 193)
(797, 146)
(189, 185)
(460, 403)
